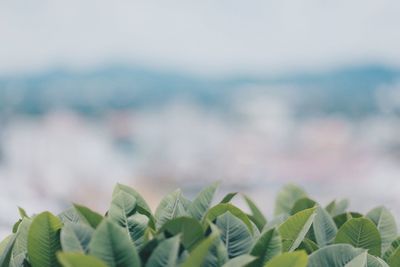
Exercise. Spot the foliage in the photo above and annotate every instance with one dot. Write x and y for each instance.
(202, 232)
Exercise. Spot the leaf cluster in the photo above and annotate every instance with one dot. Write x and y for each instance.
(200, 232)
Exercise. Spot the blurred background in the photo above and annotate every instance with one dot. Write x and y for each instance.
(159, 95)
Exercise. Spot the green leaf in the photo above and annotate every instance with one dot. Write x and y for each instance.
(165, 254)
(6, 250)
(391, 250)
(140, 200)
(295, 228)
(358, 261)
(241, 261)
(171, 206)
(16, 225)
(44, 240)
(373, 261)
(220, 209)
(218, 253)
(337, 207)
(266, 247)
(4, 243)
(330, 207)
(138, 230)
(344, 217)
(76, 237)
(122, 206)
(235, 234)
(256, 215)
(337, 255)
(190, 230)
(287, 197)
(308, 246)
(275, 222)
(73, 259)
(256, 232)
(111, 244)
(360, 233)
(88, 216)
(198, 255)
(394, 259)
(290, 259)
(141, 206)
(228, 197)
(70, 215)
(324, 227)
(302, 204)
(20, 250)
(22, 213)
(123, 212)
(385, 223)
(202, 202)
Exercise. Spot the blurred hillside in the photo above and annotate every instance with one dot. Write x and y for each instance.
(351, 92)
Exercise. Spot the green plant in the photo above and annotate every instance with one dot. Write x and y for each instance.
(197, 233)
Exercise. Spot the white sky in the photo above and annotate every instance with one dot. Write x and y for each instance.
(207, 36)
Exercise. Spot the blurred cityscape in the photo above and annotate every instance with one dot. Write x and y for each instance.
(69, 136)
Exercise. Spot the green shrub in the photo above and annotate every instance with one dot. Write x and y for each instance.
(194, 233)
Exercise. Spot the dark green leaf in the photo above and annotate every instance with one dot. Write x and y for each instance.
(360, 233)
(166, 254)
(189, 229)
(44, 240)
(228, 197)
(111, 244)
(302, 204)
(268, 245)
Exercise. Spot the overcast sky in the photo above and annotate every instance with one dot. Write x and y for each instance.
(207, 36)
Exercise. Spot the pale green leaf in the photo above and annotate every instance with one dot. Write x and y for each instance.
(20, 250)
(385, 223)
(171, 206)
(202, 202)
(358, 261)
(337, 255)
(75, 237)
(235, 234)
(324, 227)
(287, 197)
(222, 208)
(6, 250)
